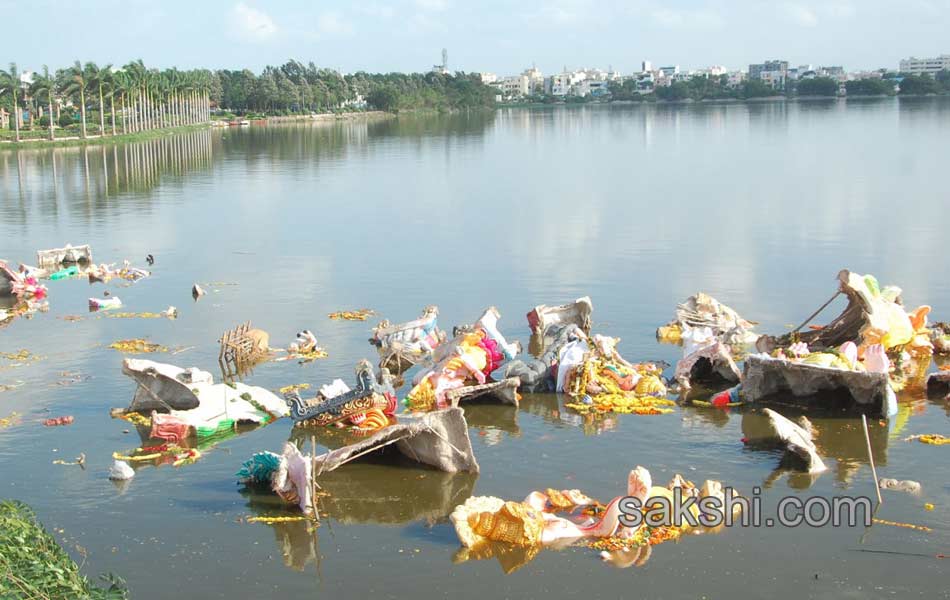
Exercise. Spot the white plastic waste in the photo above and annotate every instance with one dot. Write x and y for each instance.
(121, 471)
(104, 303)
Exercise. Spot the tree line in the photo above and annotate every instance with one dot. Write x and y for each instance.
(294, 88)
(704, 87)
(136, 98)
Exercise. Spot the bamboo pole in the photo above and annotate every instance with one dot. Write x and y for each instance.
(867, 438)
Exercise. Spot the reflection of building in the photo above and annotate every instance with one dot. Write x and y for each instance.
(920, 66)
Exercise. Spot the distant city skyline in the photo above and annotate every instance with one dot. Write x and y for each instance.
(490, 36)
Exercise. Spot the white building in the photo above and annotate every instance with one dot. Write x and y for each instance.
(646, 67)
(919, 66)
(488, 78)
(670, 71)
(735, 78)
(714, 71)
(515, 86)
(774, 79)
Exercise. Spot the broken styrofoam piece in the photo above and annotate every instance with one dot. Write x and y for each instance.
(709, 364)
(766, 378)
(702, 310)
(121, 471)
(797, 439)
(505, 391)
(69, 254)
(578, 312)
(439, 439)
(907, 485)
(191, 395)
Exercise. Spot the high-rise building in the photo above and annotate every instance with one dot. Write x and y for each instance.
(919, 66)
(756, 70)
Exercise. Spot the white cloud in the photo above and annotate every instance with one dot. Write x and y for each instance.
(332, 24)
(252, 24)
(800, 14)
(434, 5)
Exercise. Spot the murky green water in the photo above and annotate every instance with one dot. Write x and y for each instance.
(639, 207)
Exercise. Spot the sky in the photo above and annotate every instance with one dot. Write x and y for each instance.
(496, 36)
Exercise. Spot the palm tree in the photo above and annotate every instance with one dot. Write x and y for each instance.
(75, 84)
(136, 75)
(44, 86)
(10, 84)
(99, 80)
(121, 83)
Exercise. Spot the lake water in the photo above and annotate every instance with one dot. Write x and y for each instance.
(759, 205)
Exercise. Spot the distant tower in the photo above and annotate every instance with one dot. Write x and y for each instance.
(445, 60)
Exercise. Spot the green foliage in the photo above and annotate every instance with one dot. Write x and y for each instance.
(33, 565)
(296, 88)
(818, 86)
(756, 88)
(919, 85)
(67, 118)
(869, 87)
(678, 90)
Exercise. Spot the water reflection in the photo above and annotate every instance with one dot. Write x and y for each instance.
(81, 181)
(840, 443)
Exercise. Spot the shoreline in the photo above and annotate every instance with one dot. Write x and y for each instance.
(138, 136)
(763, 100)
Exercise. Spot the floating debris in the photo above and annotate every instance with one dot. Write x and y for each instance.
(72, 377)
(137, 346)
(360, 314)
(20, 355)
(923, 528)
(934, 439)
(272, 520)
(536, 522)
(80, 461)
(10, 421)
(71, 318)
(6, 387)
(368, 406)
(468, 359)
(293, 388)
(403, 345)
(600, 381)
(104, 303)
(541, 317)
(59, 421)
(242, 348)
(169, 313)
(907, 485)
(121, 471)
